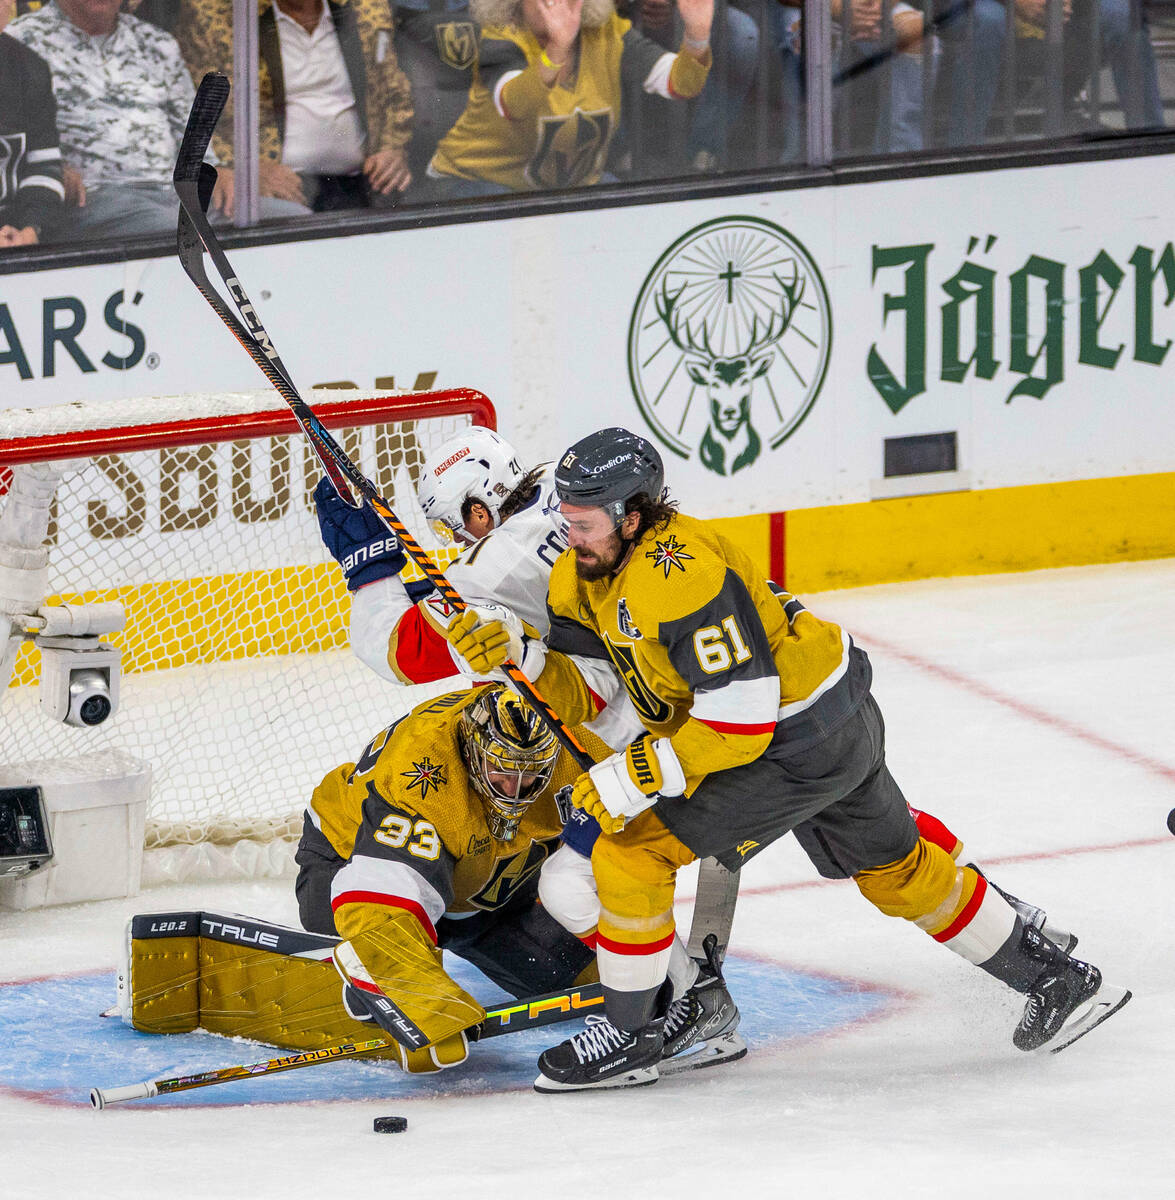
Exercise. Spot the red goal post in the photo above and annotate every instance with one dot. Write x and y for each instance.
(195, 513)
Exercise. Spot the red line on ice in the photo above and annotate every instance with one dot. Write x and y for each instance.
(1040, 715)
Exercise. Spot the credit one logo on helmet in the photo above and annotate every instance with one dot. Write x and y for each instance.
(729, 342)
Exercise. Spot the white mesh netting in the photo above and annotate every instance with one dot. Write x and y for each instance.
(237, 685)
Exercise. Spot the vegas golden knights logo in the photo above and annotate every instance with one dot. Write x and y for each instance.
(647, 703)
(570, 149)
(457, 44)
(510, 874)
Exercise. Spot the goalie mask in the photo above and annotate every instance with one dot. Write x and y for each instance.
(509, 753)
(476, 464)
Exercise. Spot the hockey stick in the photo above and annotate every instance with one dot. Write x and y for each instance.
(548, 1009)
(714, 902)
(194, 179)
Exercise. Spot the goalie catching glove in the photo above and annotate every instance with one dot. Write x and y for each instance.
(485, 636)
(626, 784)
(358, 540)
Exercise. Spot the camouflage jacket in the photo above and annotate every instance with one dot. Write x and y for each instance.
(384, 96)
(122, 100)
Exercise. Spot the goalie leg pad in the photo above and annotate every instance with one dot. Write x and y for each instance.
(234, 976)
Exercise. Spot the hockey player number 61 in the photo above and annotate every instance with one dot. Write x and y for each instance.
(395, 830)
(713, 645)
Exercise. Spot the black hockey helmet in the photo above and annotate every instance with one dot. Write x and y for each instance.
(608, 468)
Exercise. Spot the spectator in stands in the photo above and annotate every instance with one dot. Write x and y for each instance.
(118, 142)
(30, 160)
(546, 97)
(336, 110)
(736, 61)
(436, 44)
(870, 61)
(975, 33)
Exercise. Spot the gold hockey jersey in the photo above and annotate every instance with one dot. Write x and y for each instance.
(518, 132)
(414, 831)
(710, 654)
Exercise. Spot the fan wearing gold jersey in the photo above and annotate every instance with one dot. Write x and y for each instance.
(547, 87)
(432, 840)
(759, 721)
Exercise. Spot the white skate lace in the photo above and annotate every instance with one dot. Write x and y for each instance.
(678, 1016)
(597, 1041)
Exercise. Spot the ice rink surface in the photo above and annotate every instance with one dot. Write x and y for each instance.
(1033, 713)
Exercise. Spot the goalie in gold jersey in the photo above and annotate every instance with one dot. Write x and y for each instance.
(434, 839)
(759, 721)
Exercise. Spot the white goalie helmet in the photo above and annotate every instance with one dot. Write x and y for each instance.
(475, 464)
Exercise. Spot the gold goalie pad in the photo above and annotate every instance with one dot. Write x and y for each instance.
(235, 976)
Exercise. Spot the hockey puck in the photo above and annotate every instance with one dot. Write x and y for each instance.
(390, 1124)
(1171, 820)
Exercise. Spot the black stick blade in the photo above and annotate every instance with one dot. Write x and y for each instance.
(211, 97)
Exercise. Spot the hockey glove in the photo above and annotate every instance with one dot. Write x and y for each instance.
(359, 541)
(626, 784)
(364, 1000)
(484, 637)
(448, 1052)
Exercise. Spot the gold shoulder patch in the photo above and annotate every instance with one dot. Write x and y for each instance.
(425, 774)
(667, 553)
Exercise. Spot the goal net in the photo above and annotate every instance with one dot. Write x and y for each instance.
(196, 514)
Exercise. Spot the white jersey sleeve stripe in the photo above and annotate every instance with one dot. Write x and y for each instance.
(739, 702)
(380, 881)
(498, 92)
(657, 81)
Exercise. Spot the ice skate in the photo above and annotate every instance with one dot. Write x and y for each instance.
(701, 1026)
(1068, 999)
(602, 1057)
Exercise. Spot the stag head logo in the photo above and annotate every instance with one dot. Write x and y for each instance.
(730, 441)
(729, 342)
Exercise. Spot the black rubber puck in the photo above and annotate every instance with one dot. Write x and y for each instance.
(390, 1124)
(1171, 820)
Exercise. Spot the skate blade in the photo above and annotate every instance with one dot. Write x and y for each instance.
(1103, 1004)
(728, 1048)
(640, 1077)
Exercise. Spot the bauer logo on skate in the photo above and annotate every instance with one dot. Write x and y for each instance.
(729, 342)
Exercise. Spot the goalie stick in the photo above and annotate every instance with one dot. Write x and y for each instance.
(193, 179)
(532, 1013)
